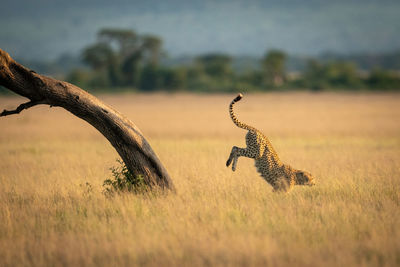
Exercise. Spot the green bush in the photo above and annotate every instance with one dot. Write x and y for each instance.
(123, 180)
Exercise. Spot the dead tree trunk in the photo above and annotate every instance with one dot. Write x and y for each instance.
(123, 135)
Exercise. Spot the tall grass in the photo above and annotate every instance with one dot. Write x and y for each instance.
(52, 166)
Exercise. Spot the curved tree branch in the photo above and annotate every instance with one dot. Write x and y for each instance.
(123, 134)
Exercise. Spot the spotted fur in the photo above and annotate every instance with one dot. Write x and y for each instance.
(281, 176)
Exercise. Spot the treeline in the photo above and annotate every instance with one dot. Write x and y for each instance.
(124, 59)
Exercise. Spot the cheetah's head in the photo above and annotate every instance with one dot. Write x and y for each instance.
(304, 178)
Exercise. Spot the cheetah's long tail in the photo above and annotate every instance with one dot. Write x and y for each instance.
(233, 115)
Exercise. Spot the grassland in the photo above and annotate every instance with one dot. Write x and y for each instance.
(52, 166)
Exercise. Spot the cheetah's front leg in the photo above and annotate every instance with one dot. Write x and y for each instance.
(232, 155)
(236, 153)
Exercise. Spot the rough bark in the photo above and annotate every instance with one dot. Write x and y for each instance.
(123, 134)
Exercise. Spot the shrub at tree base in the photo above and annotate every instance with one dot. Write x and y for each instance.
(123, 180)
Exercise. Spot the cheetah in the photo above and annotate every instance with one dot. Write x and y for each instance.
(281, 177)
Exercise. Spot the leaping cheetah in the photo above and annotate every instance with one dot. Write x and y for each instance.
(281, 176)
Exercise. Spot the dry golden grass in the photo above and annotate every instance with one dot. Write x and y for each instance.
(350, 142)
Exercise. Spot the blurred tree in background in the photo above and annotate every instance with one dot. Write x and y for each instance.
(130, 68)
(98, 56)
(151, 78)
(273, 65)
(383, 80)
(151, 47)
(215, 65)
(332, 75)
(122, 58)
(175, 79)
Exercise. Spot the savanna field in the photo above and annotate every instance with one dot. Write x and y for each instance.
(53, 211)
